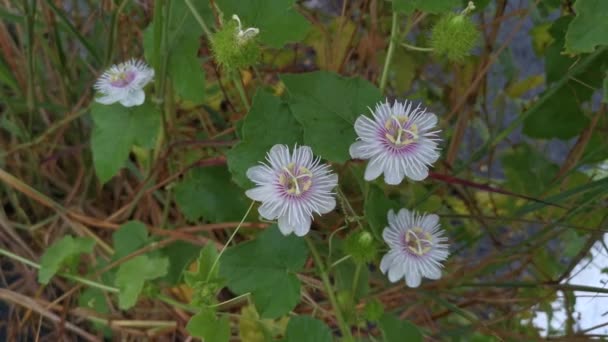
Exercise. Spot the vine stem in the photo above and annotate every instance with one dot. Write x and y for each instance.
(330, 291)
(389, 53)
(236, 78)
(236, 230)
(65, 275)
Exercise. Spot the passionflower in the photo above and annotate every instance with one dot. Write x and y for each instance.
(399, 141)
(291, 187)
(124, 83)
(417, 247)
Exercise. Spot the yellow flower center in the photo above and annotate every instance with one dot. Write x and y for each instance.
(418, 241)
(296, 181)
(399, 132)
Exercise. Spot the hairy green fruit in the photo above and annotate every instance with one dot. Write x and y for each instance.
(231, 52)
(454, 36)
(361, 247)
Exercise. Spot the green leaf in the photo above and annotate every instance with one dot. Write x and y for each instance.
(588, 29)
(269, 122)
(116, 130)
(61, 252)
(430, 6)
(327, 106)
(395, 330)
(526, 170)
(307, 329)
(571, 81)
(130, 237)
(271, 17)
(377, 205)
(132, 275)
(180, 254)
(345, 274)
(605, 97)
(203, 271)
(208, 193)
(207, 326)
(94, 299)
(266, 267)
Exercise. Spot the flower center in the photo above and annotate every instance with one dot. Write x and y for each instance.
(400, 131)
(295, 180)
(122, 79)
(418, 241)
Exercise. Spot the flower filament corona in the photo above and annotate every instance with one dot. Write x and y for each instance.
(418, 241)
(400, 131)
(295, 181)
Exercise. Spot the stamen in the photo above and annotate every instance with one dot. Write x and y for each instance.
(236, 17)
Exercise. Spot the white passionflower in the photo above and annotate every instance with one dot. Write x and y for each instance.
(124, 83)
(243, 36)
(399, 141)
(291, 187)
(417, 247)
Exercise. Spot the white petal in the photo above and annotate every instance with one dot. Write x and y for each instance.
(133, 98)
(260, 174)
(303, 156)
(326, 204)
(427, 122)
(361, 150)
(430, 221)
(260, 193)
(412, 277)
(270, 210)
(365, 127)
(107, 99)
(392, 218)
(374, 169)
(387, 260)
(396, 270)
(433, 272)
(284, 226)
(302, 227)
(393, 236)
(417, 172)
(393, 174)
(279, 156)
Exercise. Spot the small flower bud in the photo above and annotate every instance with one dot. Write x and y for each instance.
(454, 36)
(361, 247)
(235, 48)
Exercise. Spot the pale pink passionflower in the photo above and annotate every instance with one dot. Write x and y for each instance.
(399, 141)
(124, 83)
(417, 247)
(291, 187)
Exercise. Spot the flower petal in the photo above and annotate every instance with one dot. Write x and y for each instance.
(393, 174)
(270, 210)
(417, 172)
(133, 98)
(430, 221)
(432, 272)
(365, 127)
(260, 193)
(302, 227)
(260, 174)
(387, 260)
(284, 226)
(396, 270)
(107, 99)
(374, 168)
(413, 277)
(279, 157)
(361, 150)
